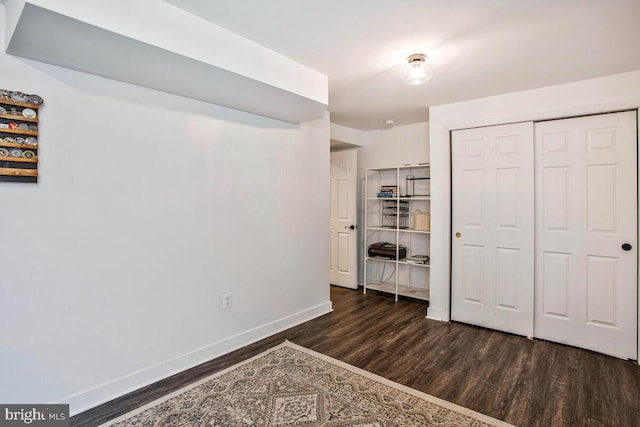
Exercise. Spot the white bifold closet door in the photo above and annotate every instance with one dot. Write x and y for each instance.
(493, 220)
(586, 210)
(583, 267)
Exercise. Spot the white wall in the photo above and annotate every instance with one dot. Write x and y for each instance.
(604, 94)
(395, 146)
(149, 207)
(388, 147)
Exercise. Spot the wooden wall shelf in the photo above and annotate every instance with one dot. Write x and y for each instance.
(18, 131)
(18, 159)
(19, 172)
(19, 104)
(18, 169)
(14, 145)
(19, 118)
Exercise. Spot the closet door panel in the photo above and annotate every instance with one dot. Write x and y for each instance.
(586, 209)
(492, 195)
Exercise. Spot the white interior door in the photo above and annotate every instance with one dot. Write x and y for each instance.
(343, 225)
(586, 209)
(492, 226)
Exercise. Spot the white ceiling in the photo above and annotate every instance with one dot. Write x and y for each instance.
(478, 48)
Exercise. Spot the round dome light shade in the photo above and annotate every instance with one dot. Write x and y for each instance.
(417, 71)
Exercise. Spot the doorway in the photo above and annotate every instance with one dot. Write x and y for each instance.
(343, 268)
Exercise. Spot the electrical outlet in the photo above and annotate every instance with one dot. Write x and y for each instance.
(226, 300)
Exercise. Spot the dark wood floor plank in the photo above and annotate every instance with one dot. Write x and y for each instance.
(524, 382)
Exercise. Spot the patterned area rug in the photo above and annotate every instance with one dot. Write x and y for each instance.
(290, 385)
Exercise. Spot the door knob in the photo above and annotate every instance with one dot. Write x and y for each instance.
(458, 234)
(350, 227)
(626, 246)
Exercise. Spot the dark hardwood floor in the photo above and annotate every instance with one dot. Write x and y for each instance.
(524, 382)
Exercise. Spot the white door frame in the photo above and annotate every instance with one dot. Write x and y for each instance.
(479, 156)
(440, 153)
(600, 95)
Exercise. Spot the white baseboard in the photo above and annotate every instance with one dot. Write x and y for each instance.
(90, 398)
(436, 314)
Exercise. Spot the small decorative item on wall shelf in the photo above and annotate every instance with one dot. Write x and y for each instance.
(19, 136)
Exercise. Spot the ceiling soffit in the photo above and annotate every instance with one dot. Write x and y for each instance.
(121, 44)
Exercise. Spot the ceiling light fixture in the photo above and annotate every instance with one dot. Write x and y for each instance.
(417, 71)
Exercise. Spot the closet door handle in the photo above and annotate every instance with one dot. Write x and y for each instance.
(626, 246)
(458, 235)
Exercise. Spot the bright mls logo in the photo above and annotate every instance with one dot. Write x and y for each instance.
(34, 415)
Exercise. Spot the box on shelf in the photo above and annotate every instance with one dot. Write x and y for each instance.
(421, 221)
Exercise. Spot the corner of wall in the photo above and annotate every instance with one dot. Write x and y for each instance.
(347, 135)
(12, 11)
